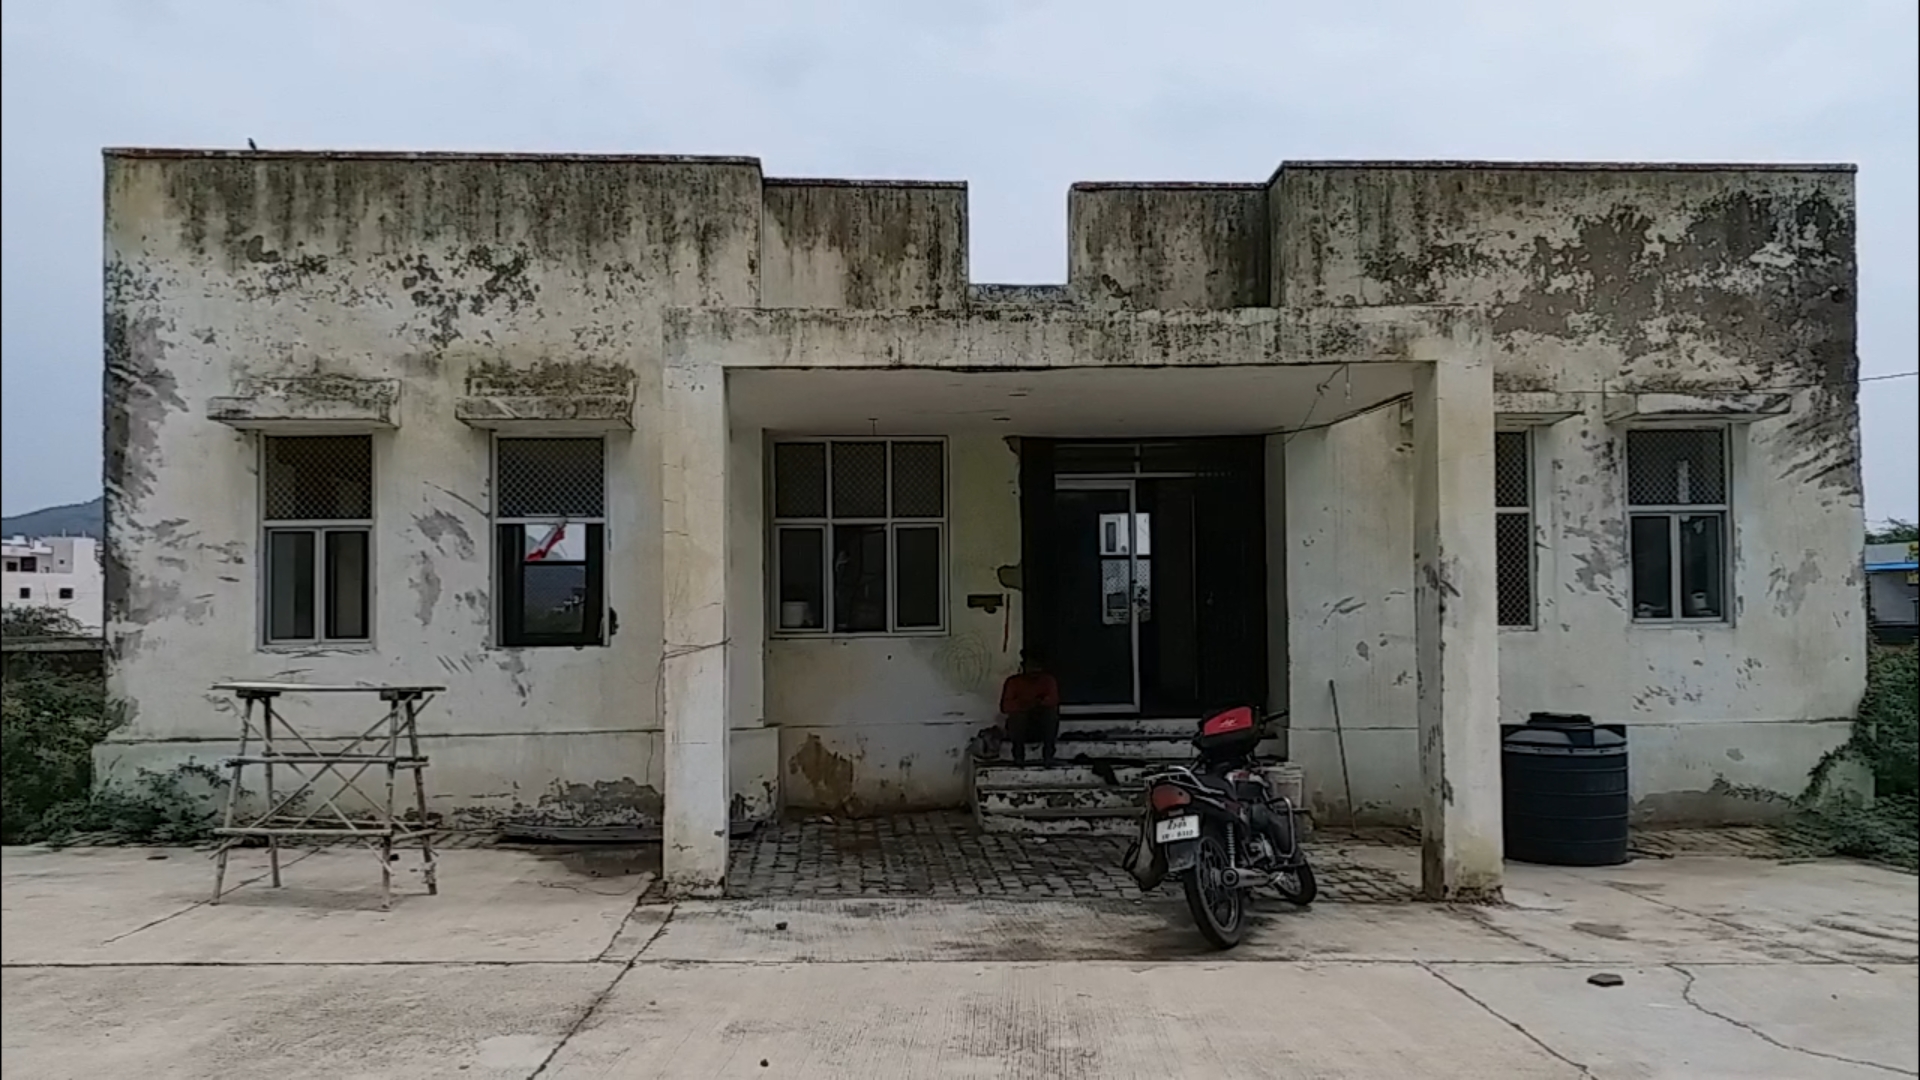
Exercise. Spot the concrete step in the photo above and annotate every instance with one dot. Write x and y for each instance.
(1125, 748)
(1084, 726)
(1119, 748)
(1045, 801)
(1006, 775)
(1090, 822)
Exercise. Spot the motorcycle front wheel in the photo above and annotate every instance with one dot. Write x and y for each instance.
(1219, 912)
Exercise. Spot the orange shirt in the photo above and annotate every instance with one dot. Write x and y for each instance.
(1025, 691)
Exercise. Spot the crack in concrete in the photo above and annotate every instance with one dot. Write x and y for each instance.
(621, 929)
(1686, 995)
(1744, 931)
(1514, 1024)
(1476, 916)
(600, 998)
(197, 904)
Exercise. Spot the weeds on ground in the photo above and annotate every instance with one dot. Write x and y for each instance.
(50, 721)
(176, 807)
(1886, 741)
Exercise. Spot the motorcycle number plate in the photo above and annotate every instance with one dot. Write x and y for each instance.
(1176, 829)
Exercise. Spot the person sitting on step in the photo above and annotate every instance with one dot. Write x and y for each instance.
(1030, 708)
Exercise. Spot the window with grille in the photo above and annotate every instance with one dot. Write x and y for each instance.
(549, 512)
(1677, 523)
(317, 508)
(1513, 526)
(859, 536)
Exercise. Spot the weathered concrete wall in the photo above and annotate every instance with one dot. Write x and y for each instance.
(222, 269)
(1350, 608)
(1171, 246)
(868, 246)
(550, 276)
(870, 724)
(1618, 280)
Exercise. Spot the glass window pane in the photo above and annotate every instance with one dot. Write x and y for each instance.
(916, 578)
(859, 479)
(552, 478)
(555, 542)
(318, 478)
(1513, 555)
(347, 582)
(553, 598)
(800, 480)
(1702, 567)
(919, 479)
(1652, 566)
(859, 578)
(290, 585)
(803, 585)
(1511, 481)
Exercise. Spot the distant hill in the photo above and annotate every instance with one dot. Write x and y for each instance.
(77, 519)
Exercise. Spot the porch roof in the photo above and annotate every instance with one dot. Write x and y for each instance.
(1048, 338)
(1086, 403)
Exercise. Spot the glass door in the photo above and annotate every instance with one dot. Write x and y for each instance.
(1104, 592)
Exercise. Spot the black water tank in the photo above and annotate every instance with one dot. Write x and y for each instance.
(1564, 788)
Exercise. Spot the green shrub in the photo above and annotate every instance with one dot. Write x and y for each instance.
(49, 724)
(51, 718)
(1886, 741)
(177, 807)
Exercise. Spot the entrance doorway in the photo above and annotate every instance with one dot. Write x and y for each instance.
(1145, 573)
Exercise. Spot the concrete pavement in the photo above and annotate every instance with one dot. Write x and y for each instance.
(529, 966)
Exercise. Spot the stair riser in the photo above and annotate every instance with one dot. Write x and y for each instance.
(1019, 801)
(1118, 825)
(1010, 777)
(1155, 750)
(1169, 729)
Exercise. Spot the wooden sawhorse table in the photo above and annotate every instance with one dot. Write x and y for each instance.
(391, 743)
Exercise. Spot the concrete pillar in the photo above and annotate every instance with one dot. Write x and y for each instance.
(693, 496)
(1456, 625)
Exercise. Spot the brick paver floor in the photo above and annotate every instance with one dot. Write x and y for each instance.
(947, 855)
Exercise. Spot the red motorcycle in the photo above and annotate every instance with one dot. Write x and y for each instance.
(1218, 826)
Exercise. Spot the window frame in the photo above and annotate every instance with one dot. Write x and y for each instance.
(509, 587)
(893, 523)
(320, 528)
(1673, 513)
(1530, 513)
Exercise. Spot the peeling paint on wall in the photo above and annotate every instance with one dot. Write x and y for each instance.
(562, 277)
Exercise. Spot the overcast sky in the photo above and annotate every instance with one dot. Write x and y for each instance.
(1019, 98)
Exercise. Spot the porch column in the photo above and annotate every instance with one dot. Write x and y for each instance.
(1456, 625)
(693, 691)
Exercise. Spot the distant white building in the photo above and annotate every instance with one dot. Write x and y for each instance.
(57, 572)
(1893, 590)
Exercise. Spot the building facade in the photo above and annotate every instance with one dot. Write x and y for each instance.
(708, 493)
(58, 572)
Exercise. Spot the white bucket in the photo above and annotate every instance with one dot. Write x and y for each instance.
(1289, 781)
(796, 615)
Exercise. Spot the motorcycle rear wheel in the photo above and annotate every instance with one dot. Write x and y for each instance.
(1305, 887)
(1220, 912)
